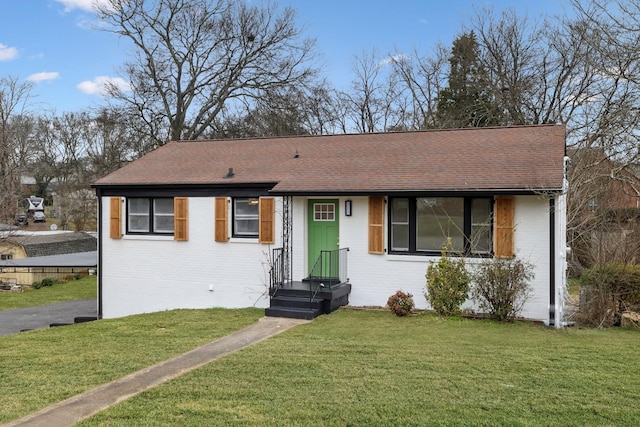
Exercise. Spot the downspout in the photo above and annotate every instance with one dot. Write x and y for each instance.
(99, 194)
(552, 261)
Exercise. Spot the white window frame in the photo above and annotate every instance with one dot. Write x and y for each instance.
(324, 212)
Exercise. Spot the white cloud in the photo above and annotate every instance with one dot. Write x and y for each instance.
(88, 5)
(7, 53)
(98, 86)
(400, 57)
(44, 76)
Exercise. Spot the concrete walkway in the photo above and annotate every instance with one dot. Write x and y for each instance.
(77, 408)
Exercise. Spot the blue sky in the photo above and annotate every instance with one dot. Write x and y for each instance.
(53, 43)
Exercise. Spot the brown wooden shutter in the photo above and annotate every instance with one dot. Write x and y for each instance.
(266, 233)
(376, 225)
(503, 227)
(181, 218)
(221, 228)
(115, 218)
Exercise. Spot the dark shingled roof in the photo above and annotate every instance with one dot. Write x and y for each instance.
(38, 245)
(507, 158)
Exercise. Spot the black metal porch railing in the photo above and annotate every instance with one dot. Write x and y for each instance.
(330, 268)
(278, 272)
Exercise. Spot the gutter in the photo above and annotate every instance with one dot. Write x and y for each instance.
(99, 194)
(552, 261)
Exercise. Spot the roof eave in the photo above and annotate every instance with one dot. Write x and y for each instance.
(415, 192)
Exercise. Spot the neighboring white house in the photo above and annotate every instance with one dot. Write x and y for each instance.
(199, 224)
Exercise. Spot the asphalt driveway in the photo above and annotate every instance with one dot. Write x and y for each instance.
(14, 321)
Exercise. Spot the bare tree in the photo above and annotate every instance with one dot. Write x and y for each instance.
(287, 111)
(368, 106)
(14, 99)
(61, 164)
(538, 70)
(194, 58)
(420, 77)
(606, 135)
(107, 135)
(321, 116)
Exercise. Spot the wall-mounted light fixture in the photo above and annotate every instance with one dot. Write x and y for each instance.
(347, 207)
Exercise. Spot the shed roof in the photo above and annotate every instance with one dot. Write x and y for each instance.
(527, 158)
(40, 244)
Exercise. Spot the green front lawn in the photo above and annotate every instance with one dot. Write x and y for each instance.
(353, 367)
(84, 288)
(38, 368)
(370, 368)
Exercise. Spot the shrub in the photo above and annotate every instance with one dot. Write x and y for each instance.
(47, 281)
(400, 303)
(447, 285)
(608, 290)
(501, 287)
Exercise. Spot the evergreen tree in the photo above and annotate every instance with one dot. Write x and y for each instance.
(468, 100)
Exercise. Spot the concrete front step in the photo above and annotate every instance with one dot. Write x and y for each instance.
(296, 302)
(293, 312)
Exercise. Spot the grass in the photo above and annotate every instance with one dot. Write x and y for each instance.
(84, 288)
(371, 368)
(353, 367)
(46, 366)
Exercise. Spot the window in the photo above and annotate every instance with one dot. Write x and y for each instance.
(427, 224)
(480, 238)
(400, 224)
(150, 215)
(246, 217)
(324, 212)
(6, 257)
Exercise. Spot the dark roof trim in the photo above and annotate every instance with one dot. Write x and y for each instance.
(189, 190)
(264, 189)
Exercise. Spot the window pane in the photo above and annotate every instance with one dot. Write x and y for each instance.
(246, 207)
(139, 206)
(324, 212)
(400, 211)
(400, 224)
(245, 221)
(163, 224)
(400, 237)
(247, 226)
(139, 223)
(163, 215)
(480, 225)
(163, 206)
(138, 215)
(439, 220)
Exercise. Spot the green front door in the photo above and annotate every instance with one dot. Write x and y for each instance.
(323, 231)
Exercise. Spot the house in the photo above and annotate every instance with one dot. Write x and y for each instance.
(28, 257)
(605, 185)
(605, 209)
(348, 218)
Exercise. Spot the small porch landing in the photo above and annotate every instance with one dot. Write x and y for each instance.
(307, 299)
